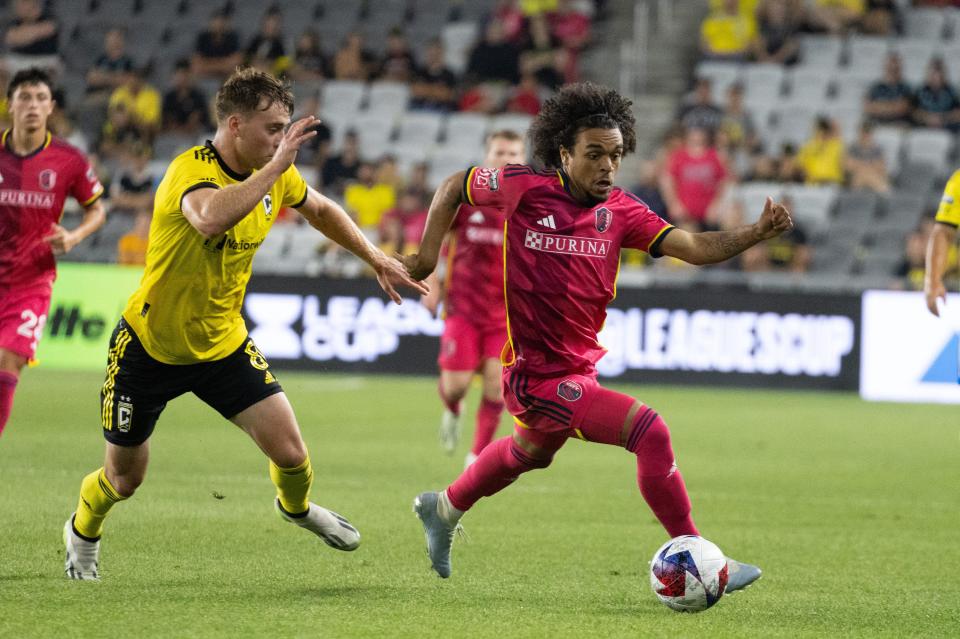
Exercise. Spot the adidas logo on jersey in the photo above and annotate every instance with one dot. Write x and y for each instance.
(476, 218)
(547, 222)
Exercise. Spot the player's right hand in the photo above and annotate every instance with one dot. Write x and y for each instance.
(934, 291)
(295, 136)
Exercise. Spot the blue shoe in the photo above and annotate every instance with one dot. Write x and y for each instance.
(438, 533)
(739, 575)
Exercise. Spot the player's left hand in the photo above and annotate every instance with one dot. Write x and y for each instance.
(61, 240)
(774, 220)
(391, 272)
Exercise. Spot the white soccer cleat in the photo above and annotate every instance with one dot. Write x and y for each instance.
(334, 530)
(82, 556)
(449, 431)
(740, 575)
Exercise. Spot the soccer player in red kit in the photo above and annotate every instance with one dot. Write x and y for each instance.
(565, 228)
(37, 173)
(475, 320)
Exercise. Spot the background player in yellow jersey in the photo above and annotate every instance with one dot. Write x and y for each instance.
(942, 238)
(182, 330)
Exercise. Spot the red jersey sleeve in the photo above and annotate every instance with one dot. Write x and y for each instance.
(499, 188)
(85, 187)
(645, 229)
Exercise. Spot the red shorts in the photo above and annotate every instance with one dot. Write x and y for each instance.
(23, 314)
(465, 346)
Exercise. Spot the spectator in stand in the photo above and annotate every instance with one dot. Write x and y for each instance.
(784, 167)
(882, 18)
(912, 269)
(727, 33)
(132, 189)
(821, 157)
(185, 109)
(266, 50)
(789, 252)
(648, 189)
(352, 61)
(217, 50)
(402, 227)
(889, 101)
(699, 111)
(32, 39)
(777, 41)
(398, 64)
(865, 163)
(343, 167)
(110, 69)
(935, 104)
(418, 182)
(512, 20)
(434, 88)
(737, 123)
(118, 133)
(141, 101)
(62, 126)
(132, 246)
(542, 55)
(571, 28)
(309, 60)
(836, 17)
(367, 200)
(493, 58)
(694, 182)
(388, 172)
(525, 97)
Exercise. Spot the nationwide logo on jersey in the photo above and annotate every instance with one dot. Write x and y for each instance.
(604, 218)
(47, 178)
(566, 244)
(485, 178)
(569, 390)
(268, 205)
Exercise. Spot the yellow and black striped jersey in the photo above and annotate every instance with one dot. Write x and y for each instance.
(187, 308)
(949, 209)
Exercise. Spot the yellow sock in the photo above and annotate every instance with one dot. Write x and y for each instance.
(293, 486)
(97, 497)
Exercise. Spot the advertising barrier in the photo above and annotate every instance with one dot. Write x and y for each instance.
(735, 338)
(909, 355)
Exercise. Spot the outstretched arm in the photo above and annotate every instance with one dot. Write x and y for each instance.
(329, 218)
(442, 211)
(938, 246)
(716, 246)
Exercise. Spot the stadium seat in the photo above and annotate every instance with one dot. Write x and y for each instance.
(448, 160)
(809, 86)
(890, 139)
(834, 257)
(389, 98)
(821, 51)
(867, 54)
(851, 86)
(794, 124)
(763, 83)
(343, 96)
(812, 205)
(420, 126)
(468, 129)
(458, 39)
(902, 211)
(930, 146)
(272, 250)
(721, 75)
(915, 55)
(881, 262)
(518, 122)
(927, 23)
(917, 177)
(848, 118)
(374, 133)
(854, 212)
(753, 195)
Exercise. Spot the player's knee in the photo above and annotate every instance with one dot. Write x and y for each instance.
(649, 433)
(525, 460)
(126, 484)
(653, 450)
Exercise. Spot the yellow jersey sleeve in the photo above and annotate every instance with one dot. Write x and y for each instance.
(949, 209)
(294, 188)
(196, 169)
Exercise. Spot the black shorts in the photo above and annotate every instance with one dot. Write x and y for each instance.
(138, 387)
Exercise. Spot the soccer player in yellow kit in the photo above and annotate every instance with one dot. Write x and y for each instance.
(182, 331)
(942, 238)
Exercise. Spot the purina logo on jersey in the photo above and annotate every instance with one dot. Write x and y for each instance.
(604, 218)
(566, 244)
(268, 205)
(47, 179)
(485, 178)
(569, 390)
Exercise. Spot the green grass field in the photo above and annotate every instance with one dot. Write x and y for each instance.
(852, 509)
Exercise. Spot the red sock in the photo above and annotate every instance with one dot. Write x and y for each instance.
(488, 418)
(498, 466)
(452, 406)
(661, 484)
(8, 382)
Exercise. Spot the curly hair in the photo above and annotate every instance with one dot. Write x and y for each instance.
(245, 89)
(575, 108)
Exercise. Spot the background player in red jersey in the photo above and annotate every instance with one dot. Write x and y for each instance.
(475, 327)
(562, 240)
(37, 173)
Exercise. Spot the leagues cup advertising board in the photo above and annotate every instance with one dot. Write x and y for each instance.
(86, 305)
(909, 355)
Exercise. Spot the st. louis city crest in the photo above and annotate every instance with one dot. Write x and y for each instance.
(569, 390)
(604, 218)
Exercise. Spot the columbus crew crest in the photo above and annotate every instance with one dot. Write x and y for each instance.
(604, 218)
(47, 179)
(268, 205)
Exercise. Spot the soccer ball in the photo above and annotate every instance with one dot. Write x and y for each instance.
(688, 573)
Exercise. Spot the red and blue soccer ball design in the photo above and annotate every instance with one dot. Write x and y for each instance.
(688, 573)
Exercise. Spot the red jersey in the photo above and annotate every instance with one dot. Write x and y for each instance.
(474, 280)
(33, 189)
(697, 179)
(561, 261)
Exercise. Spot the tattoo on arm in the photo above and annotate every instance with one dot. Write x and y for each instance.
(717, 246)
